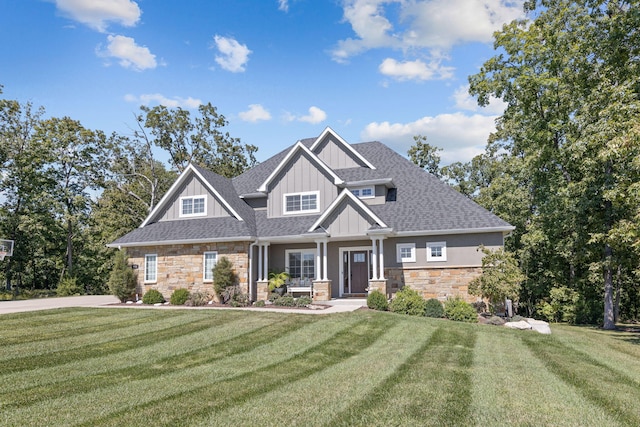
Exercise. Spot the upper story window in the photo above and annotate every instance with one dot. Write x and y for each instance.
(406, 252)
(436, 251)
(193, 206)
(301, 202)
(364, 192)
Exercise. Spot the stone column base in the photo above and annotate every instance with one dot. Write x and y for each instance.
(262, 290)
(322, 290)
(379, 285)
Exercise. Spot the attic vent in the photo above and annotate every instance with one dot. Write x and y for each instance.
(391, 194)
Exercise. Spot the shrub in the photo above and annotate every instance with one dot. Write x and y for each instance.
(122, 279)
(303, 301)
(153, 296)
(282, 301)
(223, 276)
(377, 301)
(197, 299)
(234, 296)
(179, 297)
(69, 286)
(408, 301)
(459, 310)
(260, 303)
(433, 308)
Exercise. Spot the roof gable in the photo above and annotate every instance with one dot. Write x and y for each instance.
(347, 211)
(336, 152)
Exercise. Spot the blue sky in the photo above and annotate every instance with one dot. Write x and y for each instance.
(278, 70)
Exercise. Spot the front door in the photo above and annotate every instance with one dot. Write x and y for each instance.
(359, 271)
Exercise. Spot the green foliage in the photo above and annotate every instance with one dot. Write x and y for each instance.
(197, 299)
(408, 301)
(377, 301)
(501, 277)
(223, 276)
(277, 279)
(287, 300)
(179, 297)
(122, 280)
(260, 303)
(433, 308)
(69, 286)
(561, 306)
(234, 296)
(153, 296)
(459, 310)
(303, 301)
(424, 155)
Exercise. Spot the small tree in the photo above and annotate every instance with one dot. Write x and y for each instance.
(223, 277)
(122, 280)
(501, 277)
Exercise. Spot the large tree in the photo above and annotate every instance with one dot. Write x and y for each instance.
(570, 78)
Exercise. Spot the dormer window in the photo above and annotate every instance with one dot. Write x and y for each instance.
(301, 202)
(193, 206)
(364, 192)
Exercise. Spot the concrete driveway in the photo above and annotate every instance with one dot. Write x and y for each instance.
(62, 302)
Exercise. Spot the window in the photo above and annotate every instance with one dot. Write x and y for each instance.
(363, 193)
(301, 202)
(301, 264)
(210, 259)
(193, 206)
(406, 252)
(150, 268)
(436, 251)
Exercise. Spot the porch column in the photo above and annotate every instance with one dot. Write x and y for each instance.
(265, 274)
(260, 271)
(324, 262)
(318, 243)
(375, 258)
(381, 276)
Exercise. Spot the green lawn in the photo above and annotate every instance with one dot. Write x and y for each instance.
(121, 367)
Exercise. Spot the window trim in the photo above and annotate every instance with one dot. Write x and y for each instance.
(204, 266)
(441, 258)
(359, 192)
(193, 198)
(400, 246)
(301, 211)
(146, 270)
(307, 251)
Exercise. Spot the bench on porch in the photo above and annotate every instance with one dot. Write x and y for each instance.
(298, 285)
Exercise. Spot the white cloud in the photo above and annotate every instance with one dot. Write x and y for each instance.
(233, 55)
(414, 70)
(460, 136)
(156, 98)
(255, 113)
(130, 55)
(98, 13)
(315, 116)
(464, 101)
(283, 5)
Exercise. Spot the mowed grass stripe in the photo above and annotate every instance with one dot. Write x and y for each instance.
(433, 387)
(30, 322)
(312, 400)
(615, 393)
(200, 402)
(147, 334)
(159, 365)
(101, 401)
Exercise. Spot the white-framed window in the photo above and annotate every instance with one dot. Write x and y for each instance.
(306, 202)
(150, 267)
(193, 206)
(406, 252)
(364, 192)
(209, 260)
(300, 263)
(436, 251)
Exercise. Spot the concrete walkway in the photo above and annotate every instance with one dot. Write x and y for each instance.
(336, 305)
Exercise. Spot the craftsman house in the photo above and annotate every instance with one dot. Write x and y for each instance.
(341, 219)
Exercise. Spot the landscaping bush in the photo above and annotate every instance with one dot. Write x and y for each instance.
(179, 297)
(459, 310)
(433, 308)
(152, 296)
(377, 301)
(69, 286)
(303, 301)
(122, 279)
(282, 301)
(234, 296)
(260, 303)
(197, 299)
(223, 277)
(408, 301)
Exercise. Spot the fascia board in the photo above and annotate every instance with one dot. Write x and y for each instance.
(181, 242)
(344, 194)
(455, 231)
(168, 194)
(348, 146)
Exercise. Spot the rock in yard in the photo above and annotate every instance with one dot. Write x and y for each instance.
(518, 325)
(539, 326)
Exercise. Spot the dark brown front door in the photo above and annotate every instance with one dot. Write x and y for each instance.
(359, 271)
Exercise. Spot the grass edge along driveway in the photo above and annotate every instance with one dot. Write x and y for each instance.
(141, 367)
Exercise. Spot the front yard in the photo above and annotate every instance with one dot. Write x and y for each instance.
(211, 367)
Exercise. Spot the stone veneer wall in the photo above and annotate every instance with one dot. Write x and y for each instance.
(181, 266)
(439, 283)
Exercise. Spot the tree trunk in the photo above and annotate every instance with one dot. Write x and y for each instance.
(70, 248)
(609, 318)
